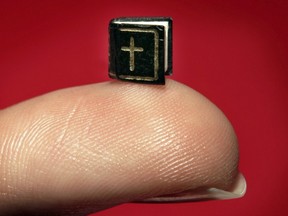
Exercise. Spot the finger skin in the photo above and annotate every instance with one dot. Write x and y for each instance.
(111, 143)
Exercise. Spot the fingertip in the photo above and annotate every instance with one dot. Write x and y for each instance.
(116, 142)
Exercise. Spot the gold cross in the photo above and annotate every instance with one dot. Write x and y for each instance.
(131, 49)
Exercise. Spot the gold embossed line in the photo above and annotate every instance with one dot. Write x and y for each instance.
(156, 55)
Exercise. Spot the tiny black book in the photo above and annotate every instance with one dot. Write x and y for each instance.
(140, 49)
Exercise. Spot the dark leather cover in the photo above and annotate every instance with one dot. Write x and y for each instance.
(136, 51)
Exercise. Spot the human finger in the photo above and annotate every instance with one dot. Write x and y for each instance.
(87, 148)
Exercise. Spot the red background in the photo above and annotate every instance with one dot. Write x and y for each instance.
(234, 52)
